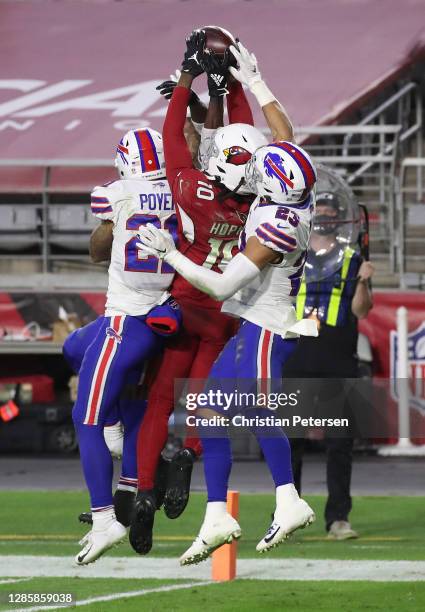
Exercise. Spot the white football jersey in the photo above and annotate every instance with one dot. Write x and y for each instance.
(268, 301)
(137, 281)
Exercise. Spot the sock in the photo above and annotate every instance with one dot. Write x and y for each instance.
(97, 464)
(286, 495)
(194, 444)
(132, 412)
(277, 453)
(151, 439)
(214, 510)
(103, 517)
(127, 484)
(217, 467)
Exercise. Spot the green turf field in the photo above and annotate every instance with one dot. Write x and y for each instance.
(45, 524)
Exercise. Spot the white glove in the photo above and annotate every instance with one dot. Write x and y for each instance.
(249, 75)
(155, 241)
(248, 72)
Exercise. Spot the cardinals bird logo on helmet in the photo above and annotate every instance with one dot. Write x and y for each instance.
(230, 151)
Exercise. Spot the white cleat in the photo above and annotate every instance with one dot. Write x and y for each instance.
(212, 535)
(95, 543)
(286, 520)
(114, 438)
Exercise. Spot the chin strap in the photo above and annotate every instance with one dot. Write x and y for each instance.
(227, 193)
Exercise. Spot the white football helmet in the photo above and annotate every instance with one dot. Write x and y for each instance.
(281, 171)
(140, 155)
(231, 148)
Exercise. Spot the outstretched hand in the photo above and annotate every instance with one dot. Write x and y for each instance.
(195, 45)
(247, 72)
(155, 241)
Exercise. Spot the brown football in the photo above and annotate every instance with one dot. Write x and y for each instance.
(217, 39)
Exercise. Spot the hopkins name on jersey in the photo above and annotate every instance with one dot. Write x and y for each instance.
(137, 281)
(268, 301)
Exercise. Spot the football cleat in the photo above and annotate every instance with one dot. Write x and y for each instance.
(178, 482)
(86, 517)
(161, 478)
(212, 535)
(286, 520)
(124, 506)
(141, 525)
(95, 543)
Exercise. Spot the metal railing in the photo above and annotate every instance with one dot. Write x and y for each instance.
(412, 231)
(366, 154)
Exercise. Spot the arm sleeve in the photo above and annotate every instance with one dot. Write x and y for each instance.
(102, 203)
(283, 240)
(176, 151)
(238, 273)
(238, 107)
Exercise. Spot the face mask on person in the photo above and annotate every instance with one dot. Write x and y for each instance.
(325, 224)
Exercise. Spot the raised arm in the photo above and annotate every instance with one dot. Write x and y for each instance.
(238, 107)
(248, 74)
(176, 152)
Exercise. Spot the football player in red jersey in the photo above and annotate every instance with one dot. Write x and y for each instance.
(211, 207)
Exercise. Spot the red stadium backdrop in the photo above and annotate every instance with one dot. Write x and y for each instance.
(381, 329)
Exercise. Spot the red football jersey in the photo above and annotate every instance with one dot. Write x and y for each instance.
(209, 228)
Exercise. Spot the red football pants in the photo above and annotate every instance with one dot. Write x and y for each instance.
(190, 355)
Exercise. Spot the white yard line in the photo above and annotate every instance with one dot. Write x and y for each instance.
(260, 568)
(12, 580)
(115, 596)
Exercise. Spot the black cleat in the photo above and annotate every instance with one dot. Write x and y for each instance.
(124, 506)
(141, 525)
(161, 478)
(178, 484)
(86, 517)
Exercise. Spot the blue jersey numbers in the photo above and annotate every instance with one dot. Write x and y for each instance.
(135, 259)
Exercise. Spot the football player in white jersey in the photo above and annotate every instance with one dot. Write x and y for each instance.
(139, 313)
(259, 285)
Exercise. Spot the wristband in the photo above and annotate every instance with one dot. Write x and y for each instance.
(198, 126)
(263, 94)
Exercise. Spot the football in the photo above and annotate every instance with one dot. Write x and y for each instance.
(217, 39)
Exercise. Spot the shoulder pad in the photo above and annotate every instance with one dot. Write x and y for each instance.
(275, 233)
(103, 199)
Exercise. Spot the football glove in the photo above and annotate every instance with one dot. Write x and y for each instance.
(217, 71)
(155, 242)
(195, 44)
(166, 88)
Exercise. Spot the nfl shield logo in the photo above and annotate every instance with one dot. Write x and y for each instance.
(416, 352)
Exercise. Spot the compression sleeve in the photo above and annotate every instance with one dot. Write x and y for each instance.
(176, 151)
(238, 273)
(238, 107)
